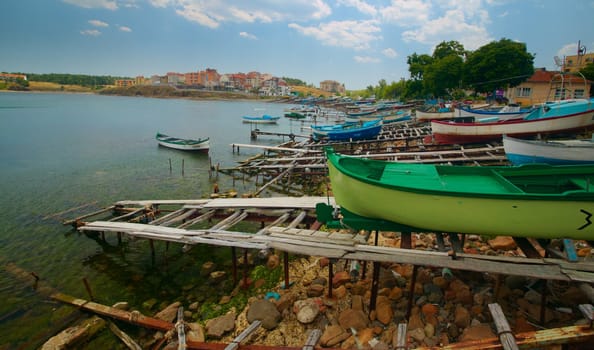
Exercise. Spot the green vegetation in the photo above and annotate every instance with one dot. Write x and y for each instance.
(74, 79)
(588, 72)
(294, 81)
(451, 71)
(270, 279)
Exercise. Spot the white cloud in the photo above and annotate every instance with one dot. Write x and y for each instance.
(361, 6)
(356, 35)
(105, 4)
(406, 12)
(366, 59)
(389, 52)
(248, 35)
(211, 13)
(98, 23)
(125, 29)
(90, 32)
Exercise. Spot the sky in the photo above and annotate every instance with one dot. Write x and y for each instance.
(355, 42)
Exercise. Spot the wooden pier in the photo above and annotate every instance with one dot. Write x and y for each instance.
(290, 225)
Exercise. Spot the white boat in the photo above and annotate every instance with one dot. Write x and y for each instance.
(201, 145)
(574, 151)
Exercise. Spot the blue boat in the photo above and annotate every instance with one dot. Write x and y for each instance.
(347, 131)
(263, 119)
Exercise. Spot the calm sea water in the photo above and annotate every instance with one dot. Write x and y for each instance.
(61, 151)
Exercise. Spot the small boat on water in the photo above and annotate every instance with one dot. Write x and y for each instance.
(263, 119)
(573, 151)
(347, 131)
(201, 145)
(536, 200)
(563, 116)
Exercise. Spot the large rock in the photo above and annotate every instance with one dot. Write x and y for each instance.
(264, 311)
(461, 317)
(333, 335)
(478, 332)
(350, 318)
(195, 333)
(169, 313)
(502, 243)
(218, 326)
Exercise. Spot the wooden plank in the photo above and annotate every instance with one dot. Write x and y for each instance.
(272, 202)
(246, 333)
(72, 221)
(134, 317)
(503, 330)
(312, 339)
(401, 337)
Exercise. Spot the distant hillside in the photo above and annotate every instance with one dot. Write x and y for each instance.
(309, 91)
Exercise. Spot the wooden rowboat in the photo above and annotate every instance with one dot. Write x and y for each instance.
(573, 151)
(556, 117)
(348, 131)
(201, 145)
(536, 200)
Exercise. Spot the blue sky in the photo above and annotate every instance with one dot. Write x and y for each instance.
(356, 42)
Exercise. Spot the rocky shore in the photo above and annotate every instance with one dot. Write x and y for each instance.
(447, 306)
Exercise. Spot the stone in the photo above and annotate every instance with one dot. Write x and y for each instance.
(339, 292)
(415, 321)
(502, 243)
(384, 312)
(333, 335)
(340, 278)
(273, 261)
(308, 313)
(169, 313)
(396, 293)
(207, 268)
(195, 332)
(315, 290)
(418, 334)
(478, 332)
(357, 302)
(122, 305)
(351, 318)
(429, 310)
(217, 277)
(217, 327)
(461, 317)
(264, 311)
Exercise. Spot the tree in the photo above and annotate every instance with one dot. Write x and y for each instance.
(444, 75)
(417, 64)
(447, 48)
(503, 63)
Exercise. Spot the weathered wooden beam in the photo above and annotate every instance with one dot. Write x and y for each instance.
(503, 330)
(241, 337)
(133, 317)
(125, 338)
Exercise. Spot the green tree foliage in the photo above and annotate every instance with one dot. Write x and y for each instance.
(74, 79)
(447, 48)
(444, 75)
(294, 81)
(503, 63)
(417, 64)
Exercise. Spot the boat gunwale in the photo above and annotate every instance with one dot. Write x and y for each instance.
(569, 195)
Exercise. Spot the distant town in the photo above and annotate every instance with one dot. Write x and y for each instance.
(262, 84)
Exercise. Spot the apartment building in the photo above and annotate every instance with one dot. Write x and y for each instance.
(546, 85)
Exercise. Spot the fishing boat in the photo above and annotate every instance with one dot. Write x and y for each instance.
(563, 116)
(347, 131)
(201, 145)
(511, 111)
(263, 119)
(536, 200)
(439, 114)
(574, 151)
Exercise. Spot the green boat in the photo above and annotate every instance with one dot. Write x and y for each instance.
(535, 200)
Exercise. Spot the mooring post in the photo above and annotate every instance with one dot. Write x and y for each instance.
(234, 259)
(411, 297)
(330, 277)
(245, 269)
(286, 267)
(88, 288)
(170, 168)
(183, 165)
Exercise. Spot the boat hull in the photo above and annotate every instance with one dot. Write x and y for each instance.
(460, 133)
(430, 211)
(421, 115)
(202, 145)
(344, 132)
(520, 151)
